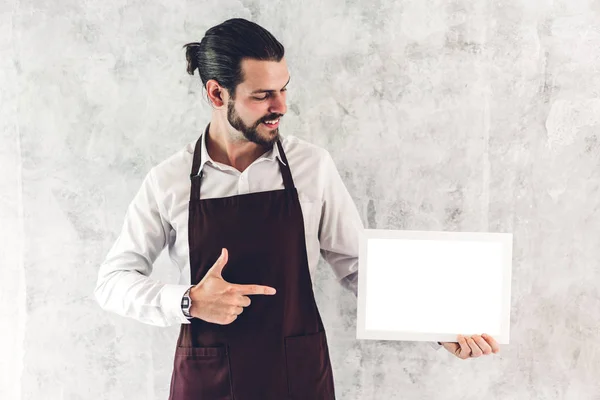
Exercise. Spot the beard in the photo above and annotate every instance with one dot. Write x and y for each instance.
(251, 132)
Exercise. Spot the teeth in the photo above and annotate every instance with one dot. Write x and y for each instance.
(272, 122)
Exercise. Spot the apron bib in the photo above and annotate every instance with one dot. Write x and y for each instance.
(276, 349)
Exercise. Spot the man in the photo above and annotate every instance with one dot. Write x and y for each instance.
(251, 221)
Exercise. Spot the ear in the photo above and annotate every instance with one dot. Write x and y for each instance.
(216, 93)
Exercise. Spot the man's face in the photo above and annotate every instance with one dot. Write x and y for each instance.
(258, 99)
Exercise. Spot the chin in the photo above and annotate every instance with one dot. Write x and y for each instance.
(272, 135)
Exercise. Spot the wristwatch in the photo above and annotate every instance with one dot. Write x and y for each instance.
(186, 303)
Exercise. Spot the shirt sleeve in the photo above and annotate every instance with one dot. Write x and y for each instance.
(124, 286)
(340, 224)
(350, 282)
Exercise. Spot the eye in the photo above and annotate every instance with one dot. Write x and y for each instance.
(266, 96)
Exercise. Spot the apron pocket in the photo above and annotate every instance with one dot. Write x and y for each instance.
(201, 373)
(308, 367)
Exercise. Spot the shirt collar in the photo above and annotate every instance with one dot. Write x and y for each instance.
(270, 155)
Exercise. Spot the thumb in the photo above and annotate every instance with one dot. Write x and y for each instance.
(217, 268)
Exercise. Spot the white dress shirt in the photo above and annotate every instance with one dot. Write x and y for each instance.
(158, 217)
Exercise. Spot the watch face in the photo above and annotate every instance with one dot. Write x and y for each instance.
(185, 302)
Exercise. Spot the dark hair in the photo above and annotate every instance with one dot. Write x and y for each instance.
(219, 55)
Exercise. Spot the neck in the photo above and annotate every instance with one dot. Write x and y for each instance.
(233, 150)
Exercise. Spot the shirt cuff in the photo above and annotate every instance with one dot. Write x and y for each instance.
(171, 302)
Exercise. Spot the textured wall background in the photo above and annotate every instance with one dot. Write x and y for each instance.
(461, 115)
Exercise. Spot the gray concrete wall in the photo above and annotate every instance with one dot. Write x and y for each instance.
(441, 115)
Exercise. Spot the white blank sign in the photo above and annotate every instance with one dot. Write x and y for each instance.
(432, 286)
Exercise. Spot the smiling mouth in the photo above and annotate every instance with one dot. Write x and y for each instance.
(271, 123)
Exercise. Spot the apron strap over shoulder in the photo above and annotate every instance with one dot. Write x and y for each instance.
(288, 181)
(196, 174)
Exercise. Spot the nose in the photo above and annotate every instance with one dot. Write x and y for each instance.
(277, 105)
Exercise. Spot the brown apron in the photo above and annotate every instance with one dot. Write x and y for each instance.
(276, 349)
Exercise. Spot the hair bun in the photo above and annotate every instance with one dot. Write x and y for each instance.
(191, 55)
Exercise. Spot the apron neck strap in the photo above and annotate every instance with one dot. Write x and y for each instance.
(196, 173)
(288, 181)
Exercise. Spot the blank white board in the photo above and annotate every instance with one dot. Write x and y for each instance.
(432, 286)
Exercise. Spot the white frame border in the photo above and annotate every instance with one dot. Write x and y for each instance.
(506, 239)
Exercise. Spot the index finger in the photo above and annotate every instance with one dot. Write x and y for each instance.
(253, 289)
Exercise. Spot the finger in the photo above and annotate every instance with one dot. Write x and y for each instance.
(483, 345)
(217, 268)
(253, 289)
(235, 310)
(234, 299)
(242, 301)
(475, 350)
(465, 350)
(452, 347)
(238, 300)
(492, 342)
